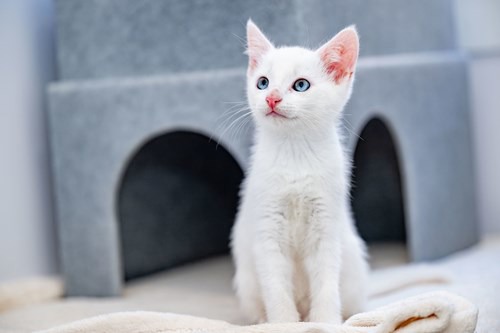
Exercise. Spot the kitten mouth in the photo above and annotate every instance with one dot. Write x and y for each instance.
(274, 113)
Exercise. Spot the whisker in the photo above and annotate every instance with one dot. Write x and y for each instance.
(233, 110)
(242, 40)
(237, 102)
(351, 130)
(229, 115)
(232, 124)
(242, 126)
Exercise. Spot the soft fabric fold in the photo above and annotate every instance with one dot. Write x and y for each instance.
(435, 312)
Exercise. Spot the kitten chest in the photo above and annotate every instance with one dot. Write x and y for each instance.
(301, 204)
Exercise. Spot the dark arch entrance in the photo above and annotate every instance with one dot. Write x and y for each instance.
(377, 197)
(176, 202)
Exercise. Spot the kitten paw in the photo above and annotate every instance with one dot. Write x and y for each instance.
(325, 317)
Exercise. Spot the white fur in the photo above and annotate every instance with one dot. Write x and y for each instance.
(295, 247)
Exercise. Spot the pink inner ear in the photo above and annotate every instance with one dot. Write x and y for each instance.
(257, 45)
(252, 64)
(339, 55)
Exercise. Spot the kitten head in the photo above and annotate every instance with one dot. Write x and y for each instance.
(293, 88)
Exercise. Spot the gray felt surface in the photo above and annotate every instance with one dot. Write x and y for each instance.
(144, 86)
(110, 38)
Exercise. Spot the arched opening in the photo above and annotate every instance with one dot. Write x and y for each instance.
(176, 202)
(377, 196)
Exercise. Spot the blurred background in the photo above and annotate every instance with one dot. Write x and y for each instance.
(33, 54)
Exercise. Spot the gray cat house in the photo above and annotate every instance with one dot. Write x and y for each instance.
(146, 178)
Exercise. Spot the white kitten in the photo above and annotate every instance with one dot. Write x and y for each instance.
(297, 253)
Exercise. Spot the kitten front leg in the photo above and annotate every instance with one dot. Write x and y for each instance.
(323, 267)
(274, 271)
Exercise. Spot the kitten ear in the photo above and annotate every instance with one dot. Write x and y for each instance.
(340, 54)
(257, 45)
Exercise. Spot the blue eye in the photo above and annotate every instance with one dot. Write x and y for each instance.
(262, 83)
(301, 85)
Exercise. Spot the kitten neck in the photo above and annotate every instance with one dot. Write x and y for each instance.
(300, 151)
(319, 136)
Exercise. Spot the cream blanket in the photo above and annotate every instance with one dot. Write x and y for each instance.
(436, 312)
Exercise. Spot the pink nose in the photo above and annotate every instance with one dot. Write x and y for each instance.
(273, 99)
